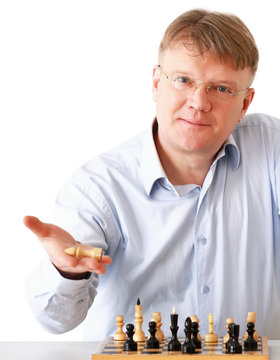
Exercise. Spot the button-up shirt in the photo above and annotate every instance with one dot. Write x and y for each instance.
(210, 249)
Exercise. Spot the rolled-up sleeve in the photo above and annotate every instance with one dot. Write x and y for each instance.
(57, 303)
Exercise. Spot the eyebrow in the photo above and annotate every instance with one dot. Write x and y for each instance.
(227, 82)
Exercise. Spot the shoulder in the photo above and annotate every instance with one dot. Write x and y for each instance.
(261, 121)
(123, 159)
(256, 128)
(121, 156)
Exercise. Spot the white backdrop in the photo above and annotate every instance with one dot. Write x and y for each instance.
(75, 80)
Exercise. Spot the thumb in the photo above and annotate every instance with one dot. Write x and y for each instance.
(39, 228)
(44, 230)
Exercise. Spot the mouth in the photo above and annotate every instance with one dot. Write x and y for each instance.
(192, 122)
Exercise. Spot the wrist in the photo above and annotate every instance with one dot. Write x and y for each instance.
(76, 276)
(73, 276)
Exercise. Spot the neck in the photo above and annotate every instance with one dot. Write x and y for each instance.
(184, 168)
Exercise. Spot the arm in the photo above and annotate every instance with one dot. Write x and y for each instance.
(58, 300)
(86, 216)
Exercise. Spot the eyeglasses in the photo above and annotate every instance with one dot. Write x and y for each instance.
(215, 92)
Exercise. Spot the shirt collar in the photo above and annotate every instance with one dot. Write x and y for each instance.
(152, 169)
(230, 149)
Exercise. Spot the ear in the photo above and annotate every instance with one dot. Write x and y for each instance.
(246, 103)
(156, 80)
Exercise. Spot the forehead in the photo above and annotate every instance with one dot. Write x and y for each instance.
(206, 66)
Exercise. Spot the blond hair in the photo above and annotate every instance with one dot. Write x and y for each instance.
(224, 35)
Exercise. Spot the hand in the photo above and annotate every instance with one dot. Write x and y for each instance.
(55, 240)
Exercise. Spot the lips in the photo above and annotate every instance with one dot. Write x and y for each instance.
(193, 122)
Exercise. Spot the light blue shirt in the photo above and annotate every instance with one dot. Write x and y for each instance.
(210, 249)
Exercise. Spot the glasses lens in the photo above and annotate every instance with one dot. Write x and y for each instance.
(219, 93)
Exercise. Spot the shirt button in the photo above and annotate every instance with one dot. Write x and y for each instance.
(203, 240)
(81, 301)
(206, 289)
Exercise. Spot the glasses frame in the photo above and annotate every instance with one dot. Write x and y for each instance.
(197, 83)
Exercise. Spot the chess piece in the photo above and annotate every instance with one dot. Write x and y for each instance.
(174, 344)
(211, 337)
(252, 318)
(152, 342)
(119, 334)
(226, 337)
(139, 335)
(188, 346)
(250, 343)
(154, 320)
(233, 346)
(195, 339)
(195, 319)
(130, 344)
(95, 253)
(159, 333)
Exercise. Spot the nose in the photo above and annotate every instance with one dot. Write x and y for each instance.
(198, 99)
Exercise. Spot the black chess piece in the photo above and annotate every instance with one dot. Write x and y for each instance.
(195, 339)
(229, 331)
(250, 343)
(188, 346)
(152, 342)
(174, 344)
(233, 346)
(130, 344)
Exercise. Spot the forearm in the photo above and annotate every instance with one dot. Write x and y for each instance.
(59, 304)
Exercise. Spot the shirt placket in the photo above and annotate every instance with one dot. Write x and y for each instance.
(202, 244)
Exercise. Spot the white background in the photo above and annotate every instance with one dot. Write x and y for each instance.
(75, 80)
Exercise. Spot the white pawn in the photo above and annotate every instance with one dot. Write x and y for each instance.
(119, 334)
(194, 318)
(252, 318)
(226, 337)
(157, 319)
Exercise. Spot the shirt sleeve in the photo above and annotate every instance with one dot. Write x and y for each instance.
(61, 304)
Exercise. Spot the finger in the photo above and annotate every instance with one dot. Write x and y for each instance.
(65, 262)
(44, 230)
(82, 251)
(100, 269)
(106, 260)
(73, 264)
(95, 263)
(39, 228)
(92, 265)
(83, 264)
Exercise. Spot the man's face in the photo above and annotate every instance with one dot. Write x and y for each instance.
(194, 123)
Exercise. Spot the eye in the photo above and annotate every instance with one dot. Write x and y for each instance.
(182, 79)
(223, 89)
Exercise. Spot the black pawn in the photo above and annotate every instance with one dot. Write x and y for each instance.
(229, 332)
(233, 346)
(195, 339)
(188, 346)
(130, 344)
(250, 343)
(152, 342)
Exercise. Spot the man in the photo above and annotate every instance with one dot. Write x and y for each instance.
(188, 212)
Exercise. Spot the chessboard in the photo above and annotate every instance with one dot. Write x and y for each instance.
(111, 349)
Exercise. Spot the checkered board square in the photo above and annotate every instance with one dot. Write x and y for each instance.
(110, 349)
